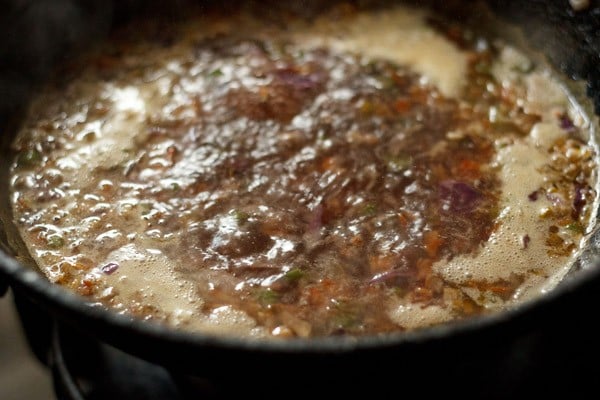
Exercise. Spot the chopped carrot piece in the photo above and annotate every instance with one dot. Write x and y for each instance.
(424, 268)
(469, 168)
(402, 106)
(381, 263)
(432, 241)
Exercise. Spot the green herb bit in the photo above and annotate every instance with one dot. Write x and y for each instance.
(399, 163)
(387, 82)
(294, 275)
(55, 241)
(468, 36)
(506, 127)
(524, 67)
(498, 115)
(28, 158)
(175, 186)
(483, 67)
(370, 209)
(346, 316)
(267, 297)
(240, 216)
(575, 227)
(216, 73)
(372, 66)
(280, 50)
(146, 208)
(367, 107)
(322, 135)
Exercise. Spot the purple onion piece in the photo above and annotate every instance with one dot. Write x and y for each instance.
(296, 80)
(556, 199)
(393, 276)
(458, 196)
(578, 201)
(533, 196)
(566, 123)
(316, 219)
(109, 268)
(525, 240)
(239, 164)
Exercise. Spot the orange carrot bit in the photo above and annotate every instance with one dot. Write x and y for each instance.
(499, 289)
(86, 287)
(381, 263)
(469, 168)
(320, 292)
(402, 106)
(402, 219)
(418, 94)
(424, 268)
(466, 306)
(432, 241)
(314, 295)
(357, 240)
(329, 164)
(421, 295)
(264, 93)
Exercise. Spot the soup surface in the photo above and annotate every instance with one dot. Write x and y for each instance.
(359, 173)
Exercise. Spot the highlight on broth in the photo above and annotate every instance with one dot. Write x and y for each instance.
(363, 173)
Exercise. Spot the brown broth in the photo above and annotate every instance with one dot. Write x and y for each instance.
(356, 177)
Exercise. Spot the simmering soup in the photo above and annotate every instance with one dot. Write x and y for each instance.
(359, 173)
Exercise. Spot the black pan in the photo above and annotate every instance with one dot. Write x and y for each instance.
(504, 349)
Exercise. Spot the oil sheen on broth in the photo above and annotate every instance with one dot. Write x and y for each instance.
(362, 173)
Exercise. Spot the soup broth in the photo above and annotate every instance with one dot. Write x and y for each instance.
(361, 173)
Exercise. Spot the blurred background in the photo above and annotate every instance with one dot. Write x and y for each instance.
(22, 376)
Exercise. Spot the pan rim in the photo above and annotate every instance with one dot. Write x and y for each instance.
(58, 299)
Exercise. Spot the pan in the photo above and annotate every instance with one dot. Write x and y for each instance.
(475, 354)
